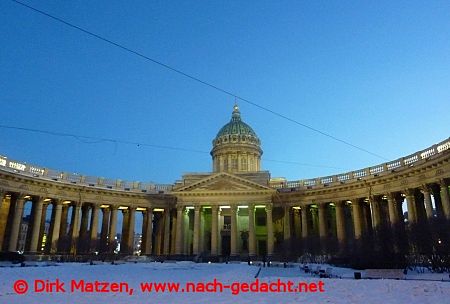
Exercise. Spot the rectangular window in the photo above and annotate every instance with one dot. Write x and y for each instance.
(234, 164)
(244, 164)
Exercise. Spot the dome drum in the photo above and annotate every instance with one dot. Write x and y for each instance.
(236, 148)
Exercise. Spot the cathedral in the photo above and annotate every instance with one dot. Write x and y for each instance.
(236, 211)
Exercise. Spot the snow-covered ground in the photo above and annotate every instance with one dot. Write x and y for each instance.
(337, 290)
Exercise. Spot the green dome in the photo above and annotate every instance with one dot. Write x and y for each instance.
(236, 126)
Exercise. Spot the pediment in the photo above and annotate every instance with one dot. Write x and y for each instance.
(223, 182)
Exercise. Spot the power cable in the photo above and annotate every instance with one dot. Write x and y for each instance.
(213, 86)
(97, 140)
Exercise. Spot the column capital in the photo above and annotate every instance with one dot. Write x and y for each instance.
(269, 207)
(372, 198)
(104, 209)
(442, 182)
(197, 208)
(131, 208)
(58, 201)
(113, 207)
(390, 196)
(425, 188)
(409, 192)
(234, 208)
(180, 208)
(322, 205)
(214, 207)
(40, 199)
(21, 197)
(339, 204)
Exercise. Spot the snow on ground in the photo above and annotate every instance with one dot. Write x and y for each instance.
(337, 290)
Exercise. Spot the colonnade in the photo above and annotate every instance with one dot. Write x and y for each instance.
(356, 216)
(81, 233)
(215, 229)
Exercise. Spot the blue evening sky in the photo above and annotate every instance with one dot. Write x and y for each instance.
(373, 73)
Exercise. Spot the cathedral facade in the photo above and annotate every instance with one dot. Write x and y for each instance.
(234, 211)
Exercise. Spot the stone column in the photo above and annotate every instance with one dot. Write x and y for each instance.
(27, 241)
(56, 226)
(297, 224)
(393, 214)
(375, 206)
(412, 219)
(445, 198)
(201, 243)
(94, 229)
(427, 201)
(148, 232)
(173, 234)
(166, 231)
(233, 237)
(179, 243)
(304, 215)
(196, 240)
(287, 223)
(112, 229)
(83, 228)
(75, 232)
(17, 219)
(42, 226)
(104, 233)
(357, 221)
(143, 230)
(36, 225)
(251, 230)
(187, 235)
(214, 229)
(340, 222)
(270, 239)
(130, 231)
(125, 230)
(322, 221)
(63, 227)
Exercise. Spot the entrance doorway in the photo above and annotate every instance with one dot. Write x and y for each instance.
(226, 244)
(262, 247)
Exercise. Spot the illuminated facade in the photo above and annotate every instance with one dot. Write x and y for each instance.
(236, 210)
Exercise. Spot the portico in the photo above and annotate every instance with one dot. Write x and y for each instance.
(218, 213)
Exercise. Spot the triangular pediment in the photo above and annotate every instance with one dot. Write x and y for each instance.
(223, 182)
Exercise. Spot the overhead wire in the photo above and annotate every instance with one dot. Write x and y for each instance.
(196, 79)
(98, 140)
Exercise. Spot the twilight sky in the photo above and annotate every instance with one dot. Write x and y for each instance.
(375, 74)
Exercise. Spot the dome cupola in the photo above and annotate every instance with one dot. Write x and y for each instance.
(236, 147)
